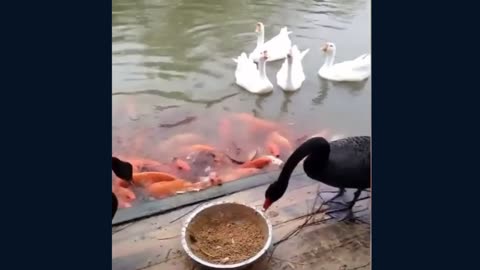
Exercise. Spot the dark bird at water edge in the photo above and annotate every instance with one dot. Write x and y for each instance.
(343, 163)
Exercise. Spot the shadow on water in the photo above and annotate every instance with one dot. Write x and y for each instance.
(353, 88)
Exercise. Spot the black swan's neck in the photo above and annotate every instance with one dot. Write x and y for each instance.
(313, 146)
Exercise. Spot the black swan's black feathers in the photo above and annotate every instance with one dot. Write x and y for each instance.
(348, 164)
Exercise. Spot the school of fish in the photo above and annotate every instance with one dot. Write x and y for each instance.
(247, 145)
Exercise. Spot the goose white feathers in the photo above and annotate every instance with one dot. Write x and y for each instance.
(357, 69)
(290, 77)
(277, 47)
(249, 77)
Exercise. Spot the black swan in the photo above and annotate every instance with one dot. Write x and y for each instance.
(343, 163)
(122, 170)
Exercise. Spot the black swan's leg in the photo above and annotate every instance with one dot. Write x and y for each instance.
(339, 194)
(337, 202)
(346, 212)
(355, 198)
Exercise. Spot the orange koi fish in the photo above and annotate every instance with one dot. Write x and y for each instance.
(148, 178)
(181, 164)
(273, 149)
(225, 130)
(281, 140)
(163, 189)
(202, 147)
(262, 162)
(238, 173)
(275, 140)
(147, 165)
(124, 195)
(256, 122)
(120, 183)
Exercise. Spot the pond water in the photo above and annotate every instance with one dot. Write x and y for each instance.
(173, 73)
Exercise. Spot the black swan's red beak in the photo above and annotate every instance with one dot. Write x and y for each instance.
(267, 204)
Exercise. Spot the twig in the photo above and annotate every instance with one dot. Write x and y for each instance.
(287, 261)
(346, 208)
(123, 228)
(358, 267)
(167, 238)
(168, 253)
(187, 120)
(329, 191)
(308, 218)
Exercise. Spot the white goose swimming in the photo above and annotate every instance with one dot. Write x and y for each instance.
(290, 77)
(277, 47)
(357, 69)
(249, 77)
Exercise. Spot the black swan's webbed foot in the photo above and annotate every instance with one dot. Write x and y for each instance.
(341, 214)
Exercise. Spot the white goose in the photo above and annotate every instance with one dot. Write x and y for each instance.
(249, 77)
(277, 47)
(357, 69)
(290, 77)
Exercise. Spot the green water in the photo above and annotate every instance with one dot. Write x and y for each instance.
(172, 59)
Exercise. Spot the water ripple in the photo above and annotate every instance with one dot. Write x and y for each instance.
(190, 44)
(176, 95)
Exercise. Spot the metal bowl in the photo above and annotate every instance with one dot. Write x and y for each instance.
(235, 209)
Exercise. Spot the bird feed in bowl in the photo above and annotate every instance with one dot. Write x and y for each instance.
(227, 233)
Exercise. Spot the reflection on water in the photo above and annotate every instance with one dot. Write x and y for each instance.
(322, 94)
(172, 59)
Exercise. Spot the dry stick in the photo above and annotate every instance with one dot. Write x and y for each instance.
(307, 220)
(346, 208)
(167, 238)
(358, 267)
(123, 228)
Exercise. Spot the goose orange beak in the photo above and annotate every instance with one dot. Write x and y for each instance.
(324, 48)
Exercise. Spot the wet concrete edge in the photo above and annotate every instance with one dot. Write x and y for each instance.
(173, 203)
